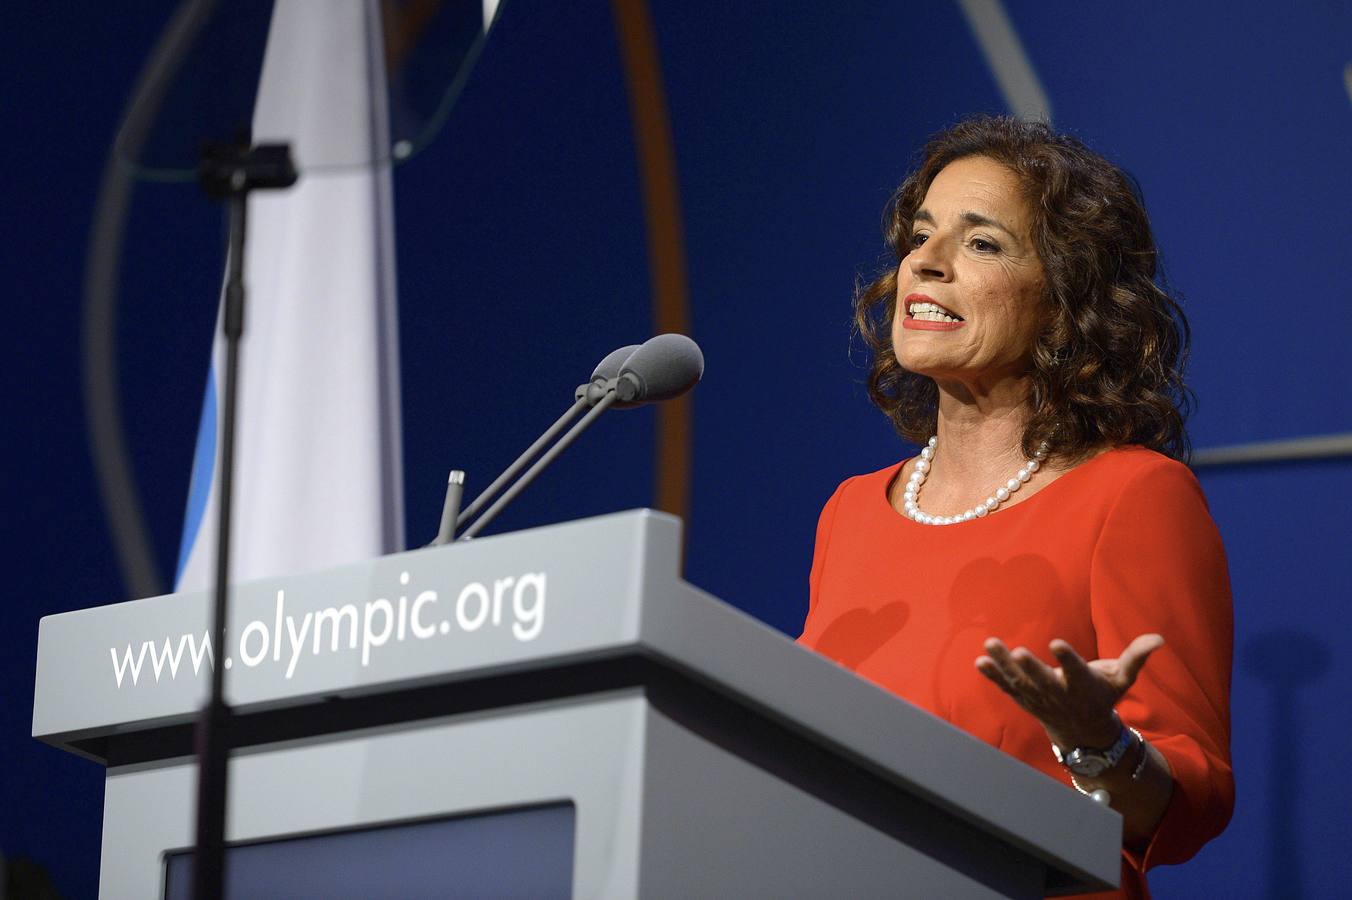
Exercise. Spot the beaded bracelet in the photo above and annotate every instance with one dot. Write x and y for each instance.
(1145, 755)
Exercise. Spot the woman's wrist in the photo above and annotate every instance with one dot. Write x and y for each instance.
(1098, 735)
(1126, 771)
(1139, 788)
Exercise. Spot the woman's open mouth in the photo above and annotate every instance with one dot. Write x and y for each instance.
(923, 314)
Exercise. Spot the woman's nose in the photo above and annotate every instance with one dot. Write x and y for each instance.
(930, 261)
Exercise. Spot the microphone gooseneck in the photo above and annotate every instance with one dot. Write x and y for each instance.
(663, 367)
(605, 372)
(573, 433)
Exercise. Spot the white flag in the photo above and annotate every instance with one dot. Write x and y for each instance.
(318, 478)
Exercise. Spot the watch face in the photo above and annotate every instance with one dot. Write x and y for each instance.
(1087, 764)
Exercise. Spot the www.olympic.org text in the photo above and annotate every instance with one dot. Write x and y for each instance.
(516, 603)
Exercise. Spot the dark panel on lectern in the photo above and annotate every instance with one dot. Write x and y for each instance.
(514, 853)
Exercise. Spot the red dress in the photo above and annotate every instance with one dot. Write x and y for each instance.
(1118, 546)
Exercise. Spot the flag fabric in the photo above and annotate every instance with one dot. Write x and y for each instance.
(318, 478)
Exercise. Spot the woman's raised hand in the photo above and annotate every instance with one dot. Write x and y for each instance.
(1074, 702)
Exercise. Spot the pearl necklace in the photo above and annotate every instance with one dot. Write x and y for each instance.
(981, 510)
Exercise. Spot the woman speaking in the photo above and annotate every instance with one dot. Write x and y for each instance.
(1045, 574)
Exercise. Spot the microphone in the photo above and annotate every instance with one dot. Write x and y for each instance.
(606, 370)
(586, 395)
(664, 367)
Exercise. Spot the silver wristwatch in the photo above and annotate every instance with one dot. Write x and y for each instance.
(1092, 763)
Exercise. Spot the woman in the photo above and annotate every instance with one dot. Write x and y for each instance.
(1023, 342)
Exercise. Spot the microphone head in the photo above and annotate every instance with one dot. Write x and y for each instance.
(606, 371)
(664, 367)
(609, 367)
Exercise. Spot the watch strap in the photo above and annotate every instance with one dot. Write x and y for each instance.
(1093, 761)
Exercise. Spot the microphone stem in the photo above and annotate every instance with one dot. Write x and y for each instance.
(540, 464)
(450, 510)
(511, 471)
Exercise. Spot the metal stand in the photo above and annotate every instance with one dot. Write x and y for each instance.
(227, 173)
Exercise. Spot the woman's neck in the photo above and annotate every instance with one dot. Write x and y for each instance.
(980, 435)
(979, 448)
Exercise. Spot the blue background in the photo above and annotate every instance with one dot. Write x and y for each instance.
(522, 260)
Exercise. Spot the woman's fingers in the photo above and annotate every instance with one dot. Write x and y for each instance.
(1038, 674)
(999, 654)
(1079, 676)
(986, 666)
(1072, 702)
(1021, 674)
(1134, 656)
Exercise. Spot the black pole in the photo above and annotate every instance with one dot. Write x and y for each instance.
(228, 173)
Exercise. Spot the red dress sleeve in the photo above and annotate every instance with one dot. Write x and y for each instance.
(1159, 567)
(824, 525)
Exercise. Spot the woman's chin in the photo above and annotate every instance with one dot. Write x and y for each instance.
(922, 364)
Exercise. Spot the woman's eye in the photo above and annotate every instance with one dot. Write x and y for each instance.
(981, 245)
(917, 240)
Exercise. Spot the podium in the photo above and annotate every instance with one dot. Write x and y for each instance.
(553, 712)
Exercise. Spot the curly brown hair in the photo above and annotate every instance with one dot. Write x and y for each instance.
(1107, 367)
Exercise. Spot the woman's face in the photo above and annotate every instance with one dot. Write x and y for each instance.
(972, 254)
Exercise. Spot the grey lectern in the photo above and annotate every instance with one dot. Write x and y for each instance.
(547, 713)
